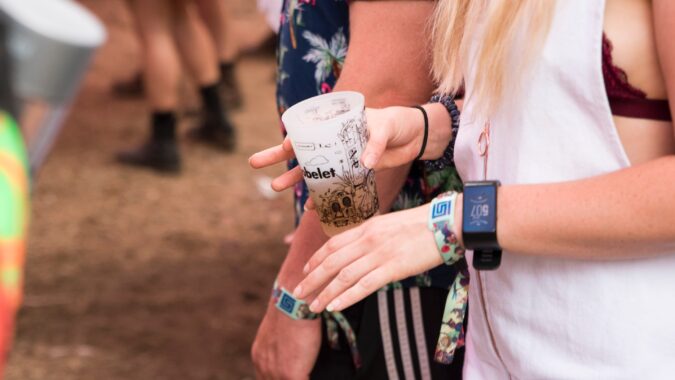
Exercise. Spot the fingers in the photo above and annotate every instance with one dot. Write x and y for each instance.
(273, 155)
(310, 205)
(377, 144)
(334, 265)
(287, 179)
(286, 145)
(338, 296)
(336, 243)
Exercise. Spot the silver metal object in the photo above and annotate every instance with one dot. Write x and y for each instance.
(51, 43)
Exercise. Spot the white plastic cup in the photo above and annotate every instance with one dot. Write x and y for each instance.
(329, 133)
(51, 43)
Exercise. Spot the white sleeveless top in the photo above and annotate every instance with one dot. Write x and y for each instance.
(542, 318)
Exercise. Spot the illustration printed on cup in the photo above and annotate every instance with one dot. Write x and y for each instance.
(346, 195)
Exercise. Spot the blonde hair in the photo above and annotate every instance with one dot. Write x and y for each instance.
(504, 23)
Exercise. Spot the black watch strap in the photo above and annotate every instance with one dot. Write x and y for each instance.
(484, 259)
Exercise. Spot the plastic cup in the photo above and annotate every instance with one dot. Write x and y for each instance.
(329, 133)
(51, 44)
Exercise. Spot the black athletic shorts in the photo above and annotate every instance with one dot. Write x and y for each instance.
(396, 334)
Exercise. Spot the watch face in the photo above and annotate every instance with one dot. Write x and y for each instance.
(479, 209)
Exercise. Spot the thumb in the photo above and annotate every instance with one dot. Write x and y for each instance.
(375, 147)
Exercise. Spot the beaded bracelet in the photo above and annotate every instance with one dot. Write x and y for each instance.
(448, 157)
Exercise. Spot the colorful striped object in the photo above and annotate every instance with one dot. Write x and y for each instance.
(14, 206)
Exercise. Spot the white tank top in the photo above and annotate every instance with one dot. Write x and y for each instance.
(542, 318)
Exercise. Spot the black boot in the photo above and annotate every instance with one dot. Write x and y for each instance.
(229, 87)
(160, 152)
(215, 129)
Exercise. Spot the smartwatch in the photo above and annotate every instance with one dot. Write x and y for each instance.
(479, 224)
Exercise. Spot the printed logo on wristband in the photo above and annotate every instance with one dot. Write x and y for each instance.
(287, 303)
(441, 209)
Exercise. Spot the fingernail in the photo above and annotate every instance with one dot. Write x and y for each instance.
(369, 161)
(333, 305)
(314, 307)
(305, 269)
(304, 207)
(297, 292)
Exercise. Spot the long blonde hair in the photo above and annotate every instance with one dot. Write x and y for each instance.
(504, 22)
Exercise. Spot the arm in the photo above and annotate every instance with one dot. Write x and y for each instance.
(628, 214)
(396, 135)
(291, 346)
(393, 30)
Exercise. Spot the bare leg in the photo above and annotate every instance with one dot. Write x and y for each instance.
(215, 15)
(195, 44)
(199, 54)
(161, 74)
(162, 70)
(132, 86)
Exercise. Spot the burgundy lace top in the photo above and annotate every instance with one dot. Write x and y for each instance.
(624, 99)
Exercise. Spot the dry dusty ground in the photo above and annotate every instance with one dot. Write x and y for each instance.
(131, 275)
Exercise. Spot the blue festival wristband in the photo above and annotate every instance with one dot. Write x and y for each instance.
(441, 222)
(289, 305)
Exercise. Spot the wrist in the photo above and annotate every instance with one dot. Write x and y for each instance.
(440, 131)
(442, 223)
(479, 223)
(294, 308)
(410, 120)
(278, 316)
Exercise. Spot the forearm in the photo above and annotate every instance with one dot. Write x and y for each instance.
(625, 214)
(387, 39)
(307, 239)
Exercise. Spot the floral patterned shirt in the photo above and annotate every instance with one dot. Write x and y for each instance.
(313, 44)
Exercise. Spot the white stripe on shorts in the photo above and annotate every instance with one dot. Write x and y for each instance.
(420, 337)
(387, 345)
(402, 330)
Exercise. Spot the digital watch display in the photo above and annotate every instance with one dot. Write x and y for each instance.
(479, 224)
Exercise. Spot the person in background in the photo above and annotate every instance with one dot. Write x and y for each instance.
(172, 32)
(364, 46)
(216, 18)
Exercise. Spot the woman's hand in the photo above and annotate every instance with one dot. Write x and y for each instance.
(358, 262)
(274, 155)
(396, 135)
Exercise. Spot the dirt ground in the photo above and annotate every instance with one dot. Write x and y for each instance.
(132, 275)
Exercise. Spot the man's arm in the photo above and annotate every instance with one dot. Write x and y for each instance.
(388, 61)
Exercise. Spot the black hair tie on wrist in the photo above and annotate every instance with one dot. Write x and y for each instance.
(426, 132)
